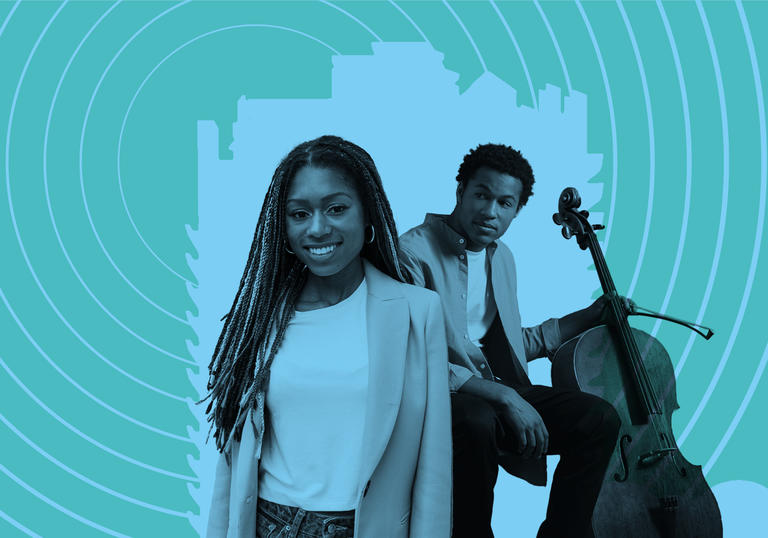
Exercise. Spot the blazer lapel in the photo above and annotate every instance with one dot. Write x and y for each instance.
(388, 322)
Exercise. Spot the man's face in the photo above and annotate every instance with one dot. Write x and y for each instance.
(487, 206)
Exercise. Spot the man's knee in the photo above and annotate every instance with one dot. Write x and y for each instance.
(474, 420)
(604, 422)
(610, 420)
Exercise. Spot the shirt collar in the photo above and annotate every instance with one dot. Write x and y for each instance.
(452, 240)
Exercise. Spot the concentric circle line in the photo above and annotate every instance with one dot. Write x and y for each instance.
(651, 150)
(348, 14)
(8, 17)
(519, 54)
(90, 106)
(556, 44)
(764, 175)
(612, 119)
(10, 198)
(688, 165)
(723, 210)
(18, 235)
(88, 214)
(84, 478)
(18, 525)
(122, 129)
(720, 235)
(8, 142)
(466, 32)
(57, 506)
(87, 393)
(138, 91)
(89, 439)
(739, 413)
(47, 195)
(57, 311)
(135, 96)
(413, 23)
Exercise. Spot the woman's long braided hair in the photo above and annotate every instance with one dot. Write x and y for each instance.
(272, 280)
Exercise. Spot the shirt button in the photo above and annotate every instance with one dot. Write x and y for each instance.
(461, 241)
(463, 295)
(248, 499)
(461, 256)
(482, 366)
(466, 337)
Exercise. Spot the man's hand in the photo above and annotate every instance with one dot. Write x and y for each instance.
(528, 429)
(598, 313)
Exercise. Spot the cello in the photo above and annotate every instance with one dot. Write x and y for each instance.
(649, 490)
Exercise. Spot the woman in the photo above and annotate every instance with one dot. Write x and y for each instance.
(329, 383)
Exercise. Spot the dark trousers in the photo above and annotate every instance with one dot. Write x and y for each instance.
(582, 429)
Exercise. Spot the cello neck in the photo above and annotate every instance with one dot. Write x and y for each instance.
(606, 281)
(626, 340)
(576, 222)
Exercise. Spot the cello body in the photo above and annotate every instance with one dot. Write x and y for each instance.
(649, 490)
(659, 497)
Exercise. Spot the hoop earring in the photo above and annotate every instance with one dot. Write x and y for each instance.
(373, 235)
(288, 250)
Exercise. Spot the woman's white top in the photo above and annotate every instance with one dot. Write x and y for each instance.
(481, 307)
(316, 403)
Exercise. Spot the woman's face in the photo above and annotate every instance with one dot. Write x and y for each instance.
(324, 220)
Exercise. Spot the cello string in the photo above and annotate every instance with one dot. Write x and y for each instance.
(647, 394)
(646, 391)
(610, 289)
(644, 387)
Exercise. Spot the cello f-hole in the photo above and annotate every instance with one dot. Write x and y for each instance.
(623, 443)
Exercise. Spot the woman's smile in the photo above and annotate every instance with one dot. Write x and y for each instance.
(322, 251)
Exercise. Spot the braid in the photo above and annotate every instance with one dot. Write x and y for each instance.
(272, 281)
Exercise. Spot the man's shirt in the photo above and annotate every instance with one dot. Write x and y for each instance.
(436, 256)
(481, 308)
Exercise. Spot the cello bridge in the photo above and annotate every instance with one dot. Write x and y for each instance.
(650, 458)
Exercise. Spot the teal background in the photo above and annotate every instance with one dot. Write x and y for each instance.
(99, 211)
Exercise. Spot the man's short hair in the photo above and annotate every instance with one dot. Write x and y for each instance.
(504, 159)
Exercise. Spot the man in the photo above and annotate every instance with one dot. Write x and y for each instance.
(499, 417)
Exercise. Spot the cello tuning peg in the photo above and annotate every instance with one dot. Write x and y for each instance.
(557, 219)
(566, 232)
(598, 227)
(584, 213)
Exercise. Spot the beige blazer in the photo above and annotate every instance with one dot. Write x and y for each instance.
(406, 472)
